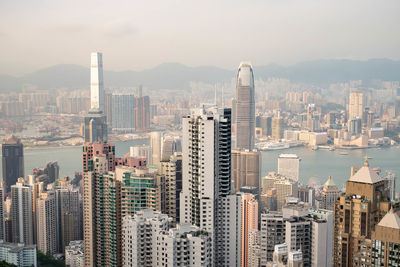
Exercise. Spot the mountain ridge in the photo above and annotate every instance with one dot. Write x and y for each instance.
(178, 76)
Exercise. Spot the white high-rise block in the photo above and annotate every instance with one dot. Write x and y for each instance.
(206, 173)
(322, 238)
(21, 213)
(139, 234)
(96, 82)
(147, 241)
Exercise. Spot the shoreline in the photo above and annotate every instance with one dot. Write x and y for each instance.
(47, 147)
(43, 147)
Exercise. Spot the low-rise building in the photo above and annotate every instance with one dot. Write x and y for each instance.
(18, 254)
(148, 241)
(284, 187)
(74, 256)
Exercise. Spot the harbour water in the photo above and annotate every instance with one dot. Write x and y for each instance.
(315, 166)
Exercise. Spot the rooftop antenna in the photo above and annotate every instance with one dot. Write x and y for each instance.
(366, 163)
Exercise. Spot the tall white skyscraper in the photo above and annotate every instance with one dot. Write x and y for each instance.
(206, 178)
(96, 82)
(245, 107)
(21, 213)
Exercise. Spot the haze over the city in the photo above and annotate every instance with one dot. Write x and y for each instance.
(252, 133)
(136, 35)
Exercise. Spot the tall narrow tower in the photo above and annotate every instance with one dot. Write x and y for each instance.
(96, 82)
(21, 213)
(95, 122)
(245, 107)
(206, 178)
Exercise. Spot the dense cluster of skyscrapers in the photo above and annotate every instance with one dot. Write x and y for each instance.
(197, 198)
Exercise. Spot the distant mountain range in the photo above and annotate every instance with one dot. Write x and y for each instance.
(179, 76)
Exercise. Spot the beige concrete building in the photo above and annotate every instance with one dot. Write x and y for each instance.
(155, 140)
(330, 193)
(284, 187)
(269, 201)
(246, 169)
(357, 212)
(277, 128)
(169, 185)
(356, 105)
(386, 240)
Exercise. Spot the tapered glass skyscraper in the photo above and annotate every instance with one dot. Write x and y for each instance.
(245, 107)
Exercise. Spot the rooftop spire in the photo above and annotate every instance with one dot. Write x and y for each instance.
(366, 163)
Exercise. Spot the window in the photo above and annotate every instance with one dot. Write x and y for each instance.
(363, 223)
(347, 221)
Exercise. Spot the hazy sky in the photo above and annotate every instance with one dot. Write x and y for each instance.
(139, 34)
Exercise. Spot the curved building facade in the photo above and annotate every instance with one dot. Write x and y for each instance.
(245, 107)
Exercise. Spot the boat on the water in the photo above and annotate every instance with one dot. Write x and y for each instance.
(327, 147)
(265, 146)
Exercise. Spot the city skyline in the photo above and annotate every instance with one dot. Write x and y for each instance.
(114, 189)
(292, 164)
